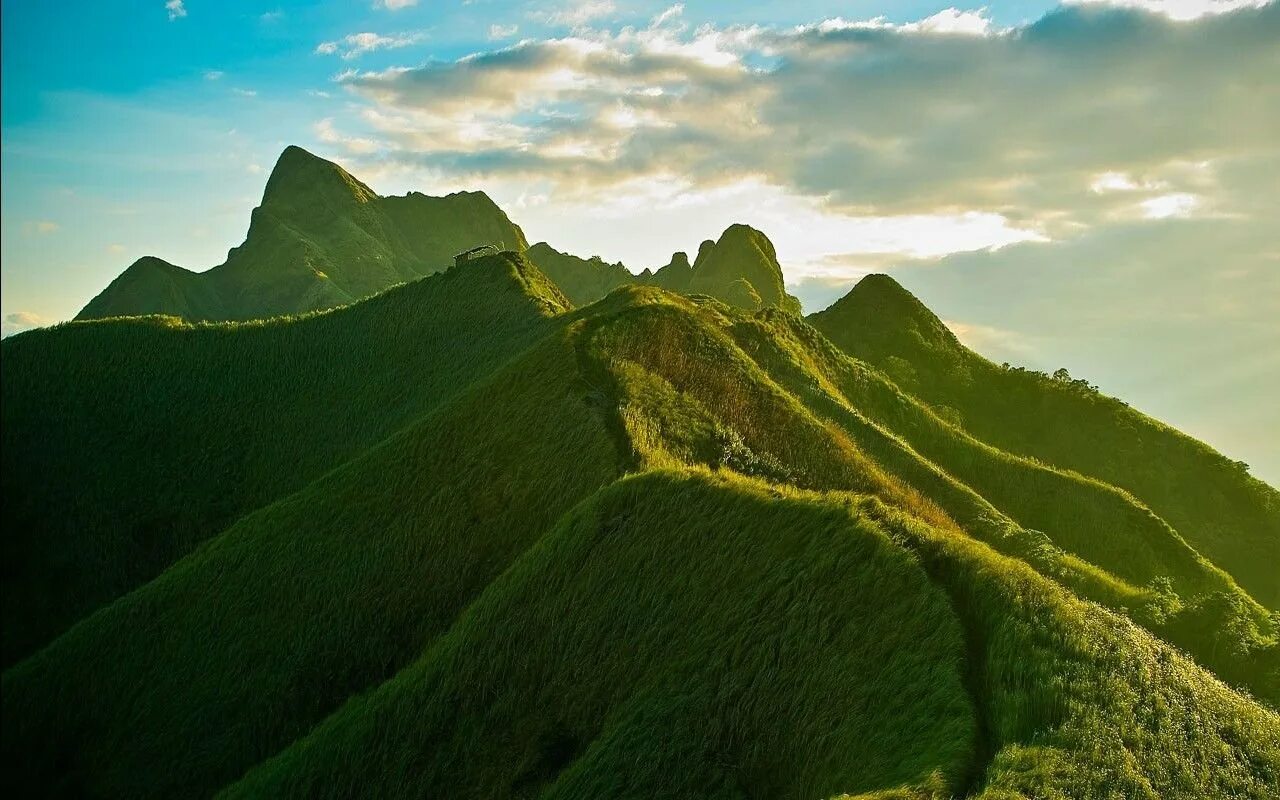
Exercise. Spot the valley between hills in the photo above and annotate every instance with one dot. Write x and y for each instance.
(340, 518)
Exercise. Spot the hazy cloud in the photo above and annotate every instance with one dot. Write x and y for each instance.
(502, 31)
(176, 9)
(357, 44)
(39, 227)
(22, 320)
(577, 13)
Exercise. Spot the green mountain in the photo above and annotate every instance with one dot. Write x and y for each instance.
(469, 539)
(740, 269)
(320, 239)
(1221, 510)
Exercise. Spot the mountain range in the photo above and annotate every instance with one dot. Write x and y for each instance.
(322, 239)
(536, 526)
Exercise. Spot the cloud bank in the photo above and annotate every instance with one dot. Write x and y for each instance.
(1092, 114)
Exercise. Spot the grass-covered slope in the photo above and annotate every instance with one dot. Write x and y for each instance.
(689, 635)
(126, 442)
(766, 395)
(676, 636)
(1229, 516)
(657, 546)
(320, 239)
(177, 688)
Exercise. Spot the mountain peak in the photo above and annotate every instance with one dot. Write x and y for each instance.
(298, 171)
(879, 315)
(742, 269)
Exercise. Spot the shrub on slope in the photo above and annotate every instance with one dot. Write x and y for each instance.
(127, 442)
(676, 636)
(177, 688)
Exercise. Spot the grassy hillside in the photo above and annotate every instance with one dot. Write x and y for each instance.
(464, 540)
(177, 688)
(320, 239)
(703, 383)
(673, 637)
(1229, 516)
(127, 442)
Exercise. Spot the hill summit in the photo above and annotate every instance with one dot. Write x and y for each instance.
(320, 239)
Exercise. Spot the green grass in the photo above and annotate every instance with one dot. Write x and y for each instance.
(127, 442)
(675, 636)
(462, 540)
(1213, 503)
(178, 687)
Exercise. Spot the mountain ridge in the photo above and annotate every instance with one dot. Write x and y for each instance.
(319, 239)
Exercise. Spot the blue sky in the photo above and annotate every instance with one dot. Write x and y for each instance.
(1089, 185)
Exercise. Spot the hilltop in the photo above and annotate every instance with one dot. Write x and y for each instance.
(483, 535)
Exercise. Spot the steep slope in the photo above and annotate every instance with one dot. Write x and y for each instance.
(127, 442)
(702, 383)
(319, 239)
(675, 276)
(1215, 505)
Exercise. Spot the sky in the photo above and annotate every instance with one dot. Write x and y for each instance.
(1090, 184)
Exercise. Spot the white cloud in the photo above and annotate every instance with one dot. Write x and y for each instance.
(1180, 204)
(1182, 10)
(578, 13)
(394, 5)
(23, 320)
(271, 16)
(953, 20)
(907, 141)
(213, 74)
(357, 44)
(40, 227)
(176, 9)
(502, 31)
(244, 92)
(115, 249)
